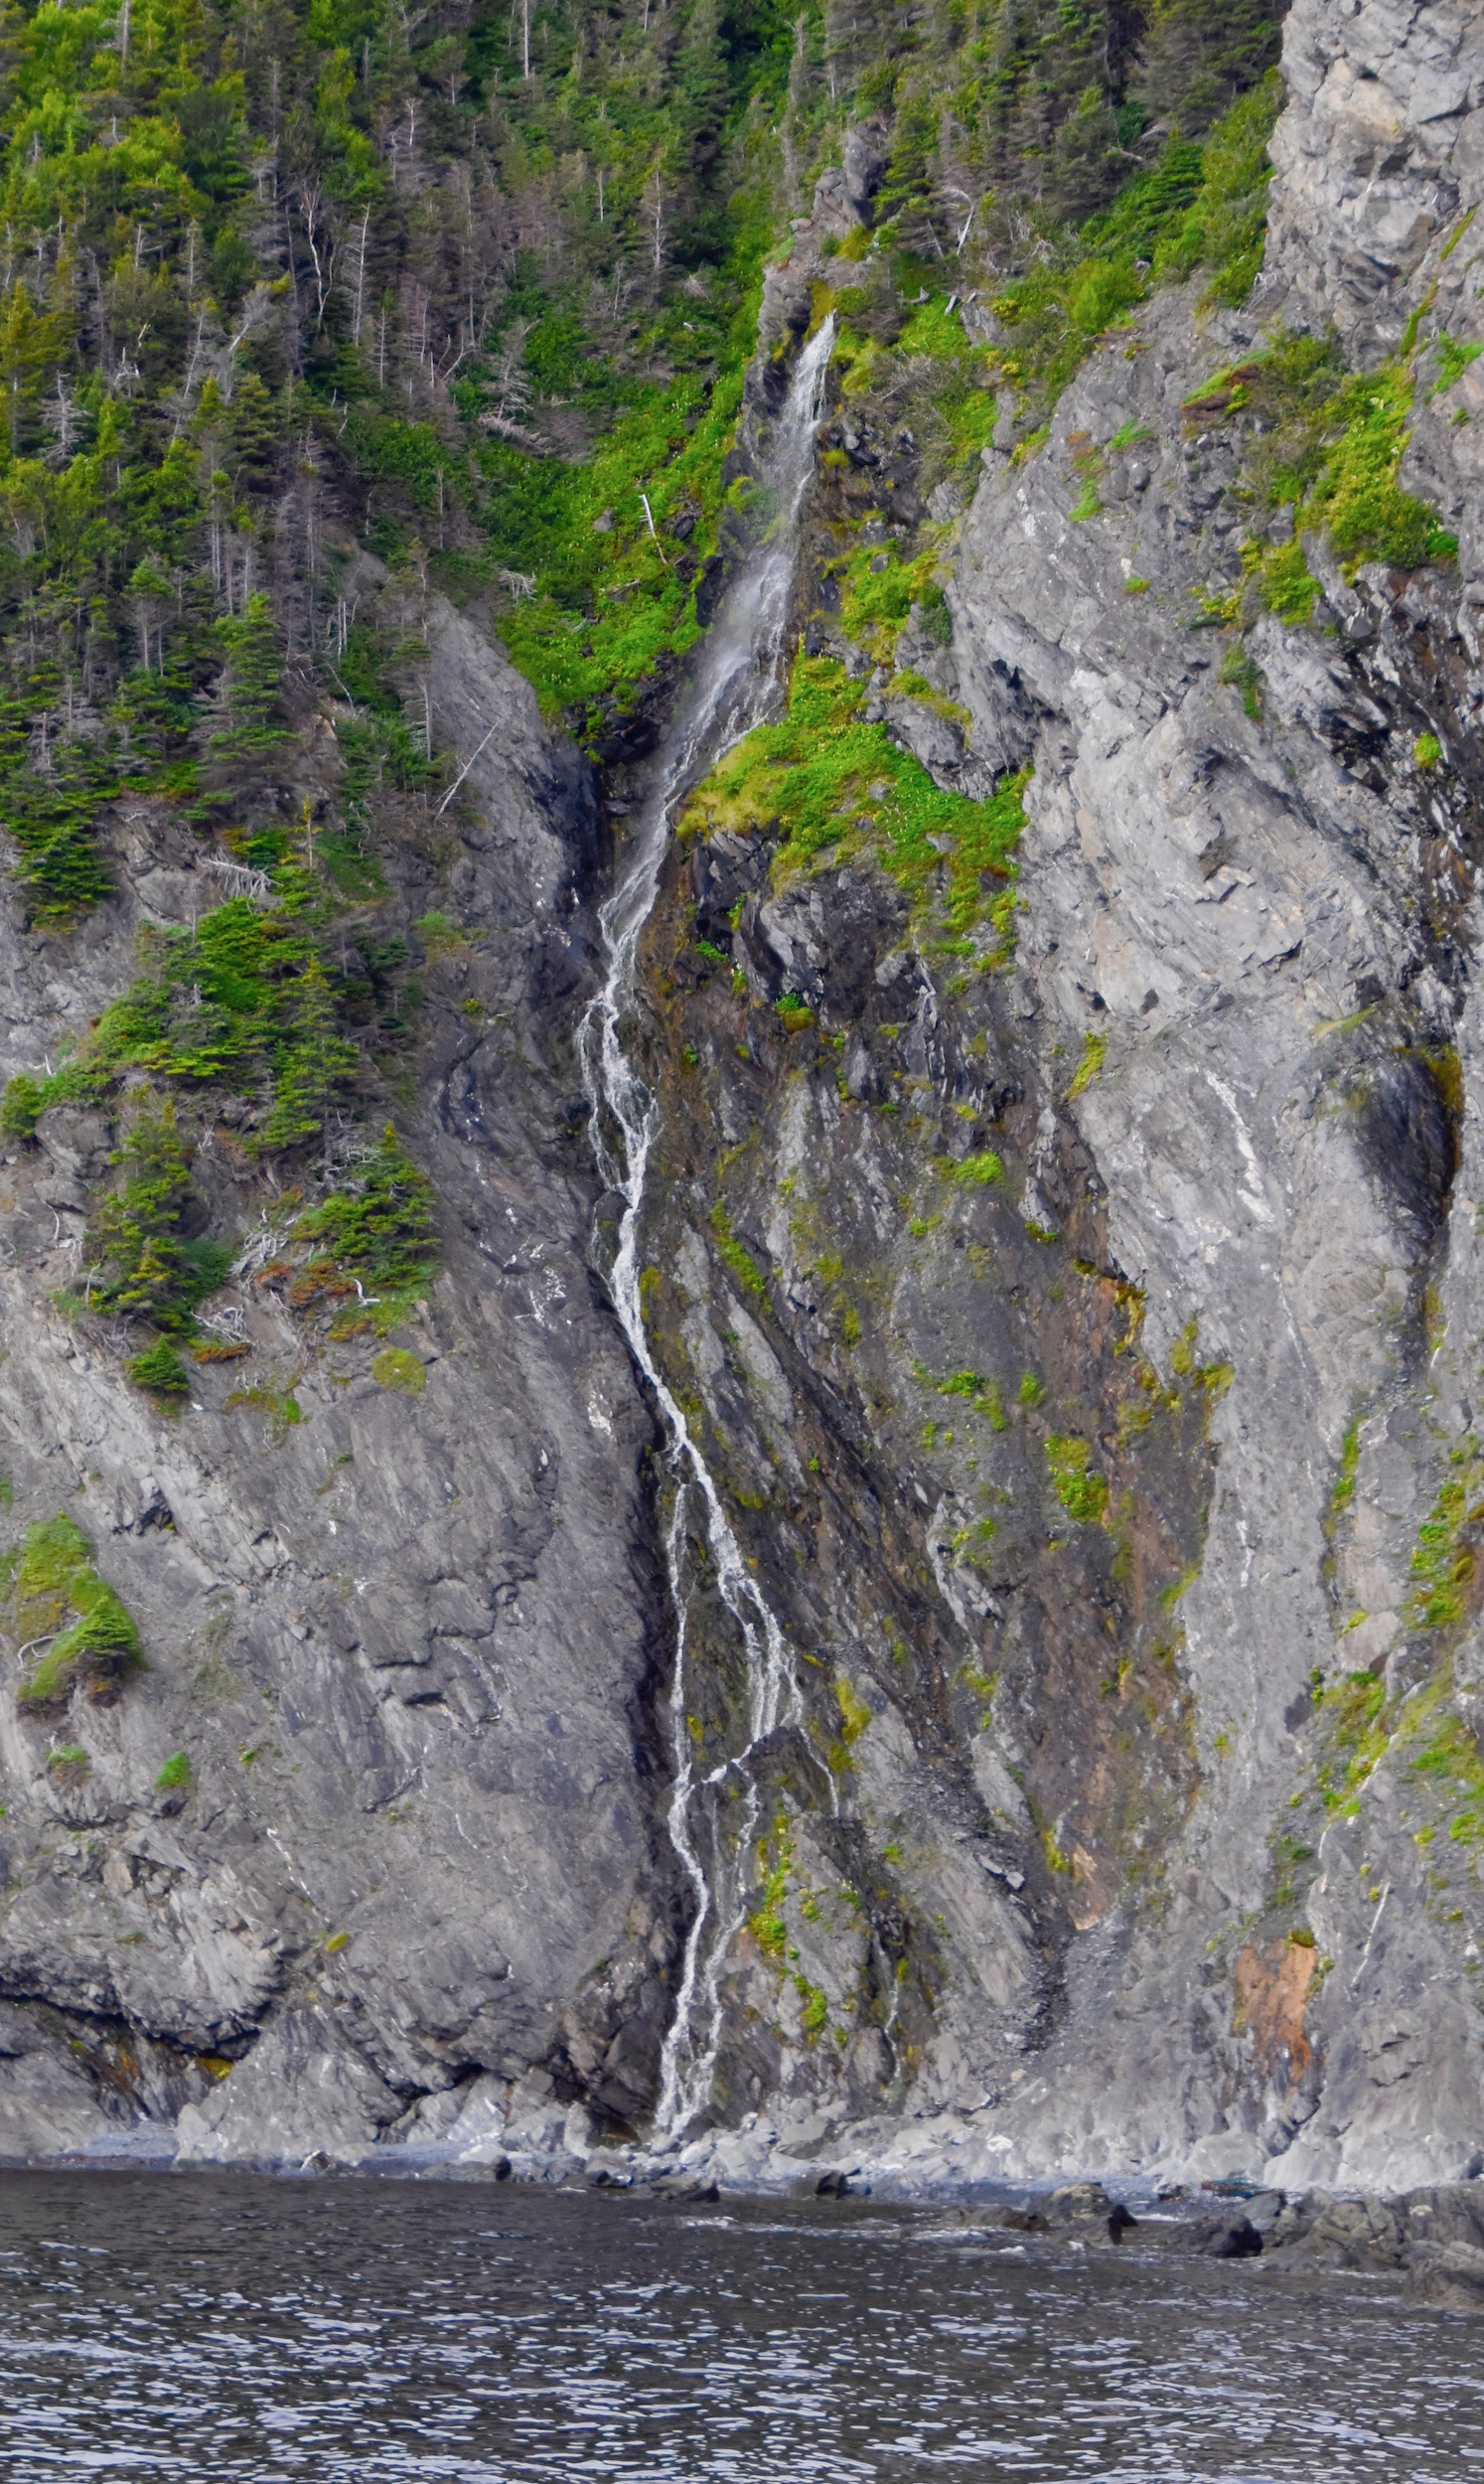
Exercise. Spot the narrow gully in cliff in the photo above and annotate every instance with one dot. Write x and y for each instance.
(737, 681)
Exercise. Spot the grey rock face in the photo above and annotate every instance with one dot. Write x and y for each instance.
(1237, 904)
(1156, 1859)
(406, 1640)
(1378, 155)
(1228, 897)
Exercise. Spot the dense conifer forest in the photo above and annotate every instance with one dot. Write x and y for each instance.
(462, 284)
(469, 295)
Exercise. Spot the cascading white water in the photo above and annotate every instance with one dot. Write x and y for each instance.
(736, 685)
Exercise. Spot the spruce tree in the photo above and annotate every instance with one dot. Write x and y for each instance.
(237, 773)
(1199, 56)
(316, 1066)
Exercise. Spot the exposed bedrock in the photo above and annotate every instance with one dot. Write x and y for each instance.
(404, 1627)
(1085, 1343)
(1111, 1437)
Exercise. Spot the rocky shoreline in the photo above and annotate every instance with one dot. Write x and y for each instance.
(1430, 2238)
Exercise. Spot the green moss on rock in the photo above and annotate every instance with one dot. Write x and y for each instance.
(1081, 1490)
(833, 788)
(395, 1368)
(56, 1595)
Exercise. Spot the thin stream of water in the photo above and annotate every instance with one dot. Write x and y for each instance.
(736, 686)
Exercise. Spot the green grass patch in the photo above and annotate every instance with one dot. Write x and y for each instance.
(739, 1260)
(766, 1923)
(279, 1407)
(855, 1714)
(826, 784)
(984, 1396)
(1240, 672)
(1356, 495)
(56, 1595)
(1200, 206)
(1282, 579)
(1094, 1053)
(878, 590)
(1451, 1758)
(1343, 1493)
(1443, 1561)
(1452, 358)
(1327, 443)
(814, 2014)
(1353, 1711)
(395, 1368)
(1081, 1490)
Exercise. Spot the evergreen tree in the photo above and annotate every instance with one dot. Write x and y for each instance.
(1199, 56)
(907, 194)
(250, 723)
(133, 1251)
(317, 1065)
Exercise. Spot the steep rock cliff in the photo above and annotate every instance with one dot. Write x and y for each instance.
(1068, 1273)
(1111, 1436)
(378, 1820)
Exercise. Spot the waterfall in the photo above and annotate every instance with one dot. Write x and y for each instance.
(736, 686)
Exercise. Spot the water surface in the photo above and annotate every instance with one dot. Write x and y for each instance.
(354, 2331)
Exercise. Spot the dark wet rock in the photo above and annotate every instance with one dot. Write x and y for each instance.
(1447, 2277)
(1263, 2210)
(1340, 2233)
(1077, 2202)
(1239, 2240)
(683, 2187)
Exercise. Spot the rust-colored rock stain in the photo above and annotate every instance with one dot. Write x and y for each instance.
(1272, 1984)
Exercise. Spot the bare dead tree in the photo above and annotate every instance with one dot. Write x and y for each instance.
(653, 211)
(317, 232)
(358, 312)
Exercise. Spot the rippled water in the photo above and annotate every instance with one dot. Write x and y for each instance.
(350, 2331)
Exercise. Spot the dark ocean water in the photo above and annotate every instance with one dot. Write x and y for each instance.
(351, 2331)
